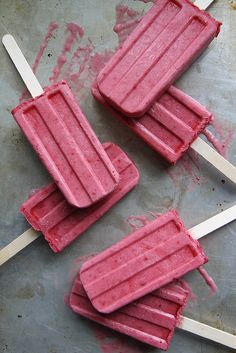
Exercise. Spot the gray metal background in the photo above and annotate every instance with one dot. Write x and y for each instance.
(33, 316)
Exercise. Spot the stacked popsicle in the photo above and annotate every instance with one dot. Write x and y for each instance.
(135, 84)
(151, 319)
(89, 178)
(131, 287)
(48, 211)
(139, 294)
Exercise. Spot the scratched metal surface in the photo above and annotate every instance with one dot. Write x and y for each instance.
(33, 316)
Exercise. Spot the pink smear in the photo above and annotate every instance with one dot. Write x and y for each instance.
(75, 31)
(51, 29)
(214, 141)
(208, 279)
(187, 165)
(98, 61)
(113, 343)
(221, 138)
(136, 222)
(126, 20)
(79, 60)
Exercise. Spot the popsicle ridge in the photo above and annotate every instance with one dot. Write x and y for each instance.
(187, 117)
(151, 319)
(143, 261)
(48, 211)
(165, 42)
(65, 142)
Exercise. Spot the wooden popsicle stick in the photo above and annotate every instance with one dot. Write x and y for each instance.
(203, 4)
(17, 245)
(213, 223)
(22, 65)
(213, 157)
(197, 232)
(208, 332)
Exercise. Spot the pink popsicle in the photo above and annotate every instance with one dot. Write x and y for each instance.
(65, 142)
(140, 263)
(48, 211)
(170, 126)
(151, 319)
(167, 40)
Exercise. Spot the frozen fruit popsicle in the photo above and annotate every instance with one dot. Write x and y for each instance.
(171, 126)
(197, 232)
(151, 319)
(64, 140)
(140, 263)
(48, 211)
(162, 46)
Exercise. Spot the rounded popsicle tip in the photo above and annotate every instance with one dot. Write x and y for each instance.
(6, 38)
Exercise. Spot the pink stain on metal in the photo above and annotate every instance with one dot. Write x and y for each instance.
(53, 26)
(221, 138)
(98, 61)
(187, 165)
(208, 279)
(126, 20)
(74, 32)
(113, 342)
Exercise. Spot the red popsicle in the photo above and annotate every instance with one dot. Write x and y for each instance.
(171, 35)
(140, 263)
(48, 211)
(151, 319)
(65, 142)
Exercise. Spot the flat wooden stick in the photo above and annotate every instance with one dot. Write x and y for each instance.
(208, 332)
(197, 232)
(203, 4)
(213, 223)
(213, 157)
(22, 65)
(17, 245)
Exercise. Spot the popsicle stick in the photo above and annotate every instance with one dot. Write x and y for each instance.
(203, 4)
(213, 157)
(197, 232)
(208, 332)
(22, 65)
(213, 223)
(17, 245)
